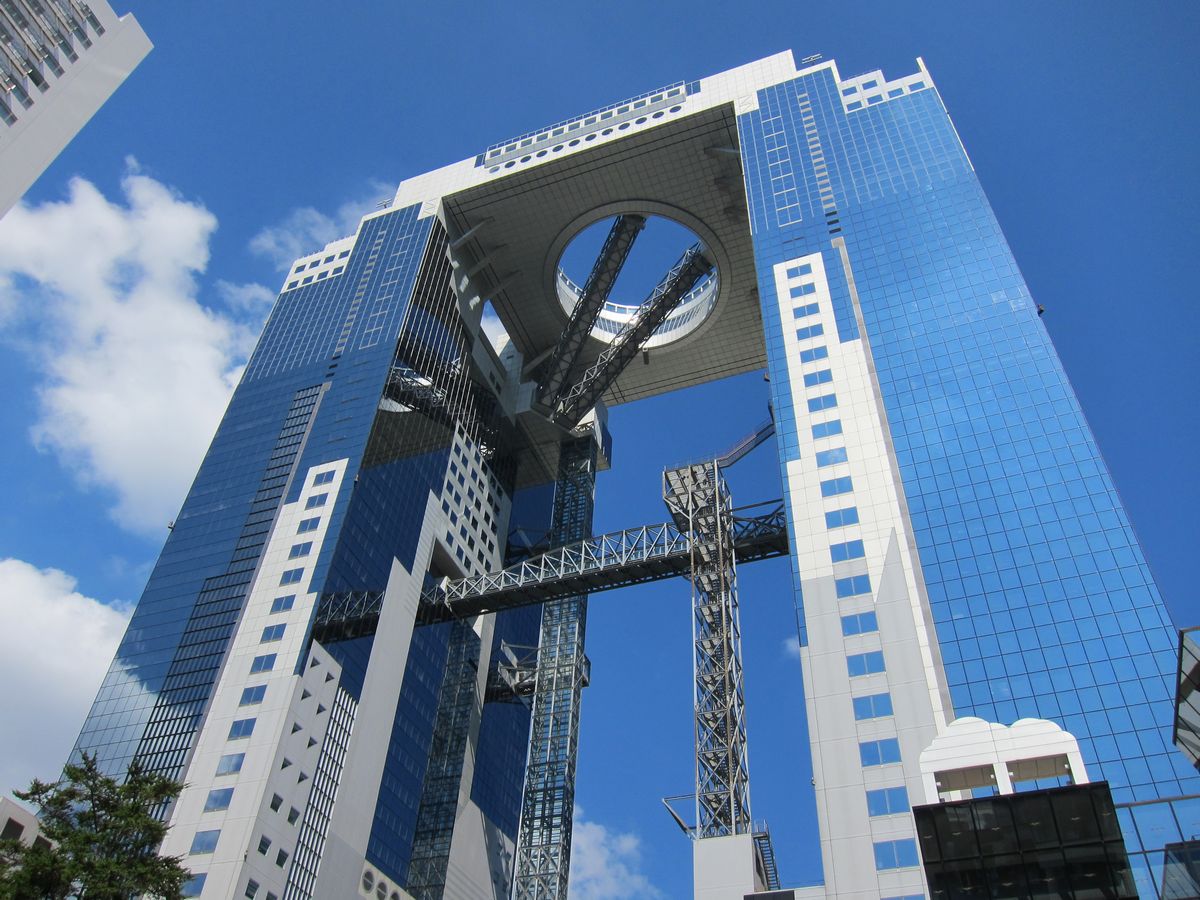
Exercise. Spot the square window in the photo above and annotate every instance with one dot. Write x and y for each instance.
(299, 550)
(263, 663)
(839, 518)
(293, 815)
(230, 763)
(859, 623)
(847, 550)
(870, 663)
(241, 728)
(896, 854)
(307, 525)
(803, 312)
(810, 331)
(854, 586)
(821, 376)
(193, 886)
(251, 888)
(872, 706)
(835, 486)
(799, 271)
(827, 429)
(830, 457)
(878, 753)
(816, 404)
(264, 844)
(253, 695)
(324, 477)
(281, 858)
(218, 799)
(205, 842)
(275, 632)
(283, 604)
(887, 801)
(813, 354)
(803, 290)
(316, 500)
(276, 802)
(291, 576)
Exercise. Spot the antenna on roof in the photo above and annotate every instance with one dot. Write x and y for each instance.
(814, 58)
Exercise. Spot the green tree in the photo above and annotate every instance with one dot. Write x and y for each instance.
(103, 839)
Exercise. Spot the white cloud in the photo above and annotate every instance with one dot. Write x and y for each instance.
(305, 230)
(55, 646)
(791, 647)
(606, 865)
(493, 328)
(135, 372)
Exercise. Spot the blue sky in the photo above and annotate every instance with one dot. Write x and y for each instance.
(135, 275)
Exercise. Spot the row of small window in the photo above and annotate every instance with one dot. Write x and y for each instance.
(317, 262)
(307, 279)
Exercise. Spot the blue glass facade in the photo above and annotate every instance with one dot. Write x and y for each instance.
(1043, 604)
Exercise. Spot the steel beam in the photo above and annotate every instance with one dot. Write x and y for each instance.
(592, 298)
(575, 402)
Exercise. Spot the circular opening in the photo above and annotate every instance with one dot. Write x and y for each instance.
(657, 248)
(526, 158)
(607, 131)
(658, 115)
(368, 880)
(641, 121)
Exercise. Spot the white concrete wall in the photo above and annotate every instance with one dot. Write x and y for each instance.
(913, 675)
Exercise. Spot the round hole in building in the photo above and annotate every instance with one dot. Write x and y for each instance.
(657, 248)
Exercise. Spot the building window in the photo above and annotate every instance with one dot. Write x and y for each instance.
(810, 331)
(230, 763)
(827, 429)
(853, 586)
(324, 477)
(307, 525)
(281, 858)
(299, 550)
(859, 623)
(291, 576)
(816, 404)
(276, 802)
(798, 271)
(879, 753)
(193, 886)
(316, 500)
(839, 518)
(847, 550)
(264, 844)
(887, 802)
(835, 486)
(812, 354)
(251, 889)
(218, 799)
(205, 842)
(253, 695)
(846, 92)
(275, 632)
(803, 290)
(830, 457)
(803, 312)
(812, 379)
(283, 604)
(873, 706)
(868, 663)
(264, 663)
(241, 728)
(896, 854)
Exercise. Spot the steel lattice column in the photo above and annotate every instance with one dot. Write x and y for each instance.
(544, 843)
(699, 500)
(443, 776)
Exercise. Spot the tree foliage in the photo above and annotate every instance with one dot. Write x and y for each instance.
(103, 839)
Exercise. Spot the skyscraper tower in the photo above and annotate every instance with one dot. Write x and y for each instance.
(333, 656)
(60, 60)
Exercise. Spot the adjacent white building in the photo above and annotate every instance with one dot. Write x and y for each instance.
(60, 60)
